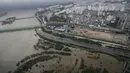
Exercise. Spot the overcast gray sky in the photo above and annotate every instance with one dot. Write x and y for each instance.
(16, 4)
(21, 4)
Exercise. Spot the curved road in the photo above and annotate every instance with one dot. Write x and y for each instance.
(91, 47)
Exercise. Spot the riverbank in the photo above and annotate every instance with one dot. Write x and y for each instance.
(73, 60)
(94, 48)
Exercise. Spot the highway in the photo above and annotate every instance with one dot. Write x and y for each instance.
(91, 47)
(17, 45)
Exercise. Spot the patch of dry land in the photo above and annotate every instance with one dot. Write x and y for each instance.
(59, 58)
(80, 30)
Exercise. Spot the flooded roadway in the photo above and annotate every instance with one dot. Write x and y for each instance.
(91, 47)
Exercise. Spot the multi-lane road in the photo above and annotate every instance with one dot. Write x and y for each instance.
(91, 47)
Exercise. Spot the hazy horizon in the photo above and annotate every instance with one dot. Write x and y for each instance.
(26, 4)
